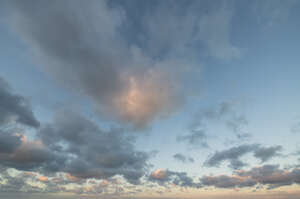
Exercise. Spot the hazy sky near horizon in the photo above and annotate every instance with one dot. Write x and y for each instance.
(149, 99)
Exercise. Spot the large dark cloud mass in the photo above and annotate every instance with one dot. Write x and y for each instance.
(75, 145)
(70, 144)
(102, 50)
(91, 152)
(8, 142)
(81, 45)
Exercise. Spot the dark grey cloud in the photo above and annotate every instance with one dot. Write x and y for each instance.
(224, 181)
(270, 175)
(92, 152)
(183, 158)
(234, 154)
(14, 108)
(70, 144)
(30, 155)
(8, 142)
(164, 177)
(15, 150)
(273, 175)
(266, 153)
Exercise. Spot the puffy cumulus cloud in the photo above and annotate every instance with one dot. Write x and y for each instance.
(163, 177)
(14, 108)
(145, 96)
(20, 182)
(159, 174)
(234, 154)
(182, 158)
(270, 175)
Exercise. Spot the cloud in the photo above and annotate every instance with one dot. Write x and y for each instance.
(15, 150)
(224, 181)
(8, 142)
(274, 12)
(28, 155)
(219, 43)
(159, 174)
(194, 138)
(266, 153)
(129, 70)
(82, 46)
(270, 175)
(91, 152)
(164, 177)
(18, 183)
(234, 154)
(15, 108)
(183, 158)
(226, 113)
(185, 26)
(273, 175)
(70, 144)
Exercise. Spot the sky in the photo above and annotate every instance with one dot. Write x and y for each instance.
(149, 99)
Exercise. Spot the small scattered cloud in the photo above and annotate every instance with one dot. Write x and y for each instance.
(234, 154)
(226, 113)
(194, 139)
(182, 158)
